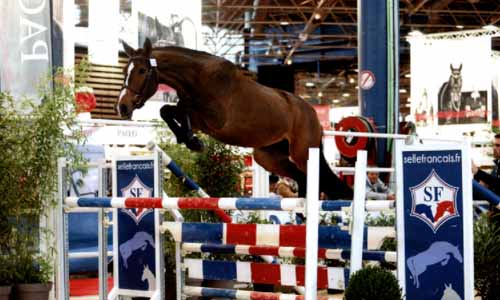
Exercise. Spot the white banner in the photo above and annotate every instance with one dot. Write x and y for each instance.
(451, 83)
(25, 46)
(104, 26)
(169, 22)
(123, 135)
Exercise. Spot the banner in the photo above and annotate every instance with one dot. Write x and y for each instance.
(451, 81)
(434, 208)
(104, 27)
(169, 22)
(25, 46)
(136, 230)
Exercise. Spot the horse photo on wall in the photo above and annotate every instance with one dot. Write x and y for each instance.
(456, 106)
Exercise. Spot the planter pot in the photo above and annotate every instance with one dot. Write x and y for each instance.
(33, 291)
(5, 292)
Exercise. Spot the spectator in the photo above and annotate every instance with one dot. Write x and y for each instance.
(281, 187)
(376, 189)
(492, 180)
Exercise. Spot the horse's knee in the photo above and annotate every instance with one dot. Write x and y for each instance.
(167, 112)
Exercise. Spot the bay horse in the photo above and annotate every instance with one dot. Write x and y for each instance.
(216, 98)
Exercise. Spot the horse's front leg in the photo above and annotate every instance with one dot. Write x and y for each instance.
(178, 121)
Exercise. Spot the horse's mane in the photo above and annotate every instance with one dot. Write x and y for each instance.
(186, 51)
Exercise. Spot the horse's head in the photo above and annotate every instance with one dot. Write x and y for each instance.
(141, 79)
(456, 73)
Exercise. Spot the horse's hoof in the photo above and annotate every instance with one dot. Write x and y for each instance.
(195, 144)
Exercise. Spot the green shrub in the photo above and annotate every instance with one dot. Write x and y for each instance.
(487, 257)
(33, 135)
(373, 283)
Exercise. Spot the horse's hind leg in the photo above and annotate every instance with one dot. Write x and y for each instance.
(274, 158)
(180, 124)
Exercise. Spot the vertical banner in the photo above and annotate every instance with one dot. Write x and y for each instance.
(451, 91)
(135, 231)
(104, 28)
(25, 46)
(435, 247)
(169, 22)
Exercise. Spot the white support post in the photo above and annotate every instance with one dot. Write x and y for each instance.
(468, 224)
(102, 240)
(358, 212)
(312, 215)
(62, 267)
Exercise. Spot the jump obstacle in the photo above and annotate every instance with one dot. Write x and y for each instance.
(281, 241)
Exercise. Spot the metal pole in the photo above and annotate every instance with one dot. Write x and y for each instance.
(62, 234)
(102, 232)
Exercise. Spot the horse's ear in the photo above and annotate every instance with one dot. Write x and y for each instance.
(148, 47)
(128, 50)
(451, 66)
(460, 68)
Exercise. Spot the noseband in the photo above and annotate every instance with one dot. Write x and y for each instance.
(151, 74)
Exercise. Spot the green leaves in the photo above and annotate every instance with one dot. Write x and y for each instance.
(373, 283)
(32, 138)
(487, 256)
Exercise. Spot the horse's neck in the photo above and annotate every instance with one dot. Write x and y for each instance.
(178, 70)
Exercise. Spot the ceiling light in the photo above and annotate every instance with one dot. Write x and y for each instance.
(336, 101)
(409, 100)
(460, 26)
(408, 75)
(356, 87)
(403, 91)
(415, 33)
(284, 23)
(289, 61)
(317, 16)
(309, 84)
(407, 105)
(345, 95)
(490, 27)
(320, 94)
(352, 80)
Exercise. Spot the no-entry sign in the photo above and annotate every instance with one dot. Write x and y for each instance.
(366, 80)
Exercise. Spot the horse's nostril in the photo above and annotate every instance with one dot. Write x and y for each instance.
(122, 108)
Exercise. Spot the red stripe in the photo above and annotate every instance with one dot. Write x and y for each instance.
(243, 234)
(322, 276)
(198, 203)
(299, 252)
(496, 123)
(223, 216)
(462, 114)
(321, 253)
(270, 250)
(292, 236)
(266, 273)
(143, 202)
(264, 296)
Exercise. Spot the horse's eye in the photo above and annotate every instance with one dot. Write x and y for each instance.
(142, 70)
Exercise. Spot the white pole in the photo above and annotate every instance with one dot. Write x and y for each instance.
(102, 238)
(312, 215)
(358, 212)
(62, 250)
(468, 223)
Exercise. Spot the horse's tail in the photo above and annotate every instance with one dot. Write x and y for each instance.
(329, 183)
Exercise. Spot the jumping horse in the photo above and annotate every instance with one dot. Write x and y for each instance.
(217, 99)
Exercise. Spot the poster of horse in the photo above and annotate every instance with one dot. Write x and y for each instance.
(451, 87)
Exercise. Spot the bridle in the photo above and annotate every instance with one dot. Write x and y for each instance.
(152, 73)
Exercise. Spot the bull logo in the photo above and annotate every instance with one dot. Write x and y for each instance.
(434, 201)
(136, 189)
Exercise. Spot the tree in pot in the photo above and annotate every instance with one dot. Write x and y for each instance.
(6, 276)
(34, 134)
(373, 283)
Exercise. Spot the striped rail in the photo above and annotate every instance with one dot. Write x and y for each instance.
(336, 254)
(215, 293)
(276, 274)
(279, 204)
(331, 237)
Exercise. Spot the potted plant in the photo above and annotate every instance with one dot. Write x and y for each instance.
(6, 276)
(487, 257)
(35, 133)
(373, 283)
